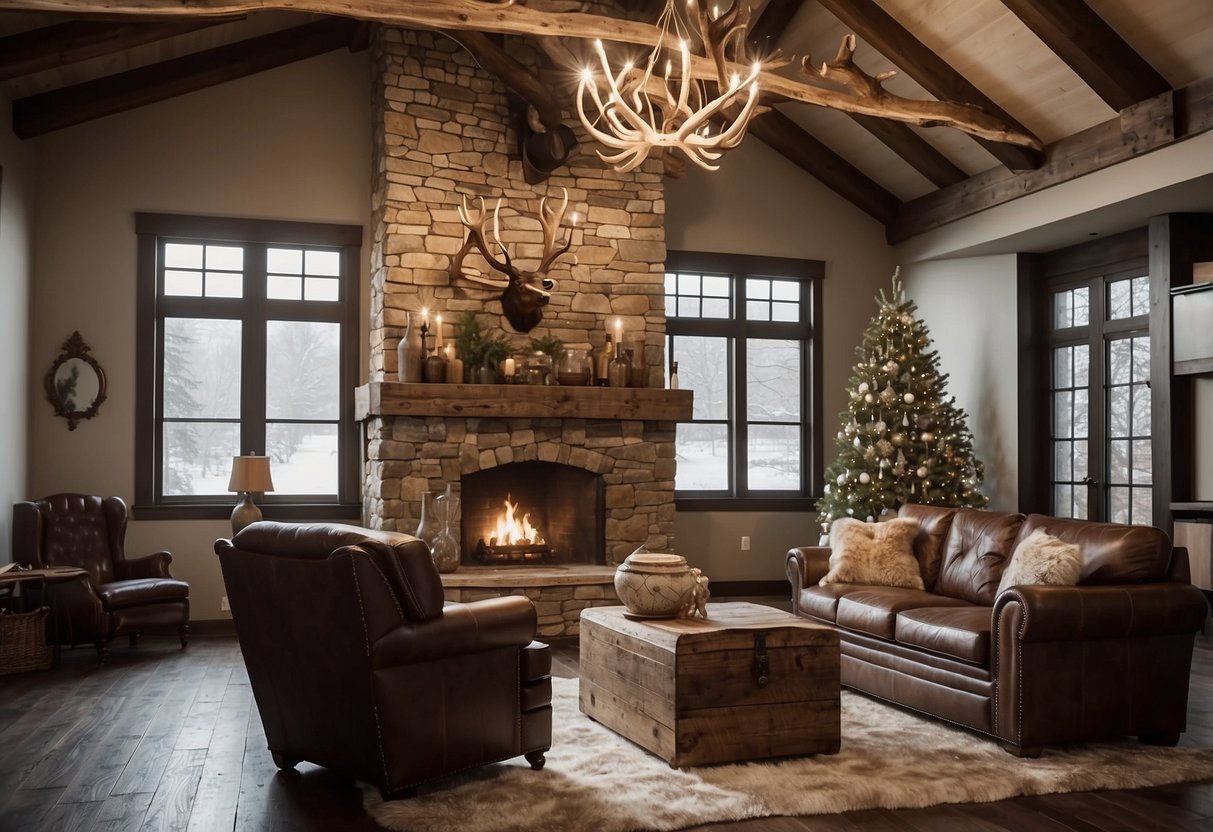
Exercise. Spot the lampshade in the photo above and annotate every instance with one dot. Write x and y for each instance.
(250, 473)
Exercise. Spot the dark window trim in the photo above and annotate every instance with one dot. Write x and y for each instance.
(150, 228)
(811, 273)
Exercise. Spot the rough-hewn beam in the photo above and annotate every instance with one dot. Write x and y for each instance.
(1146, 126)
(891, 39)
(788, 138)
(914, 149)
(1092, 48)
(38, 114)
(80, 40)
(521, 20)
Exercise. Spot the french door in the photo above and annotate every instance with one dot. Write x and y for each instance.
(1099, 398)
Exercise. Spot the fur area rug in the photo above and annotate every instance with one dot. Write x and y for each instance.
(596, 781)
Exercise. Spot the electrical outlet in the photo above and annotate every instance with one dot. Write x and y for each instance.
(745, 543)
(224, 605)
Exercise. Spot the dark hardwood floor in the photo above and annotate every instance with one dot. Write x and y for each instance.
(159, 739)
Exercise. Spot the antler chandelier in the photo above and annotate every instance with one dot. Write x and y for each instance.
(641, 112)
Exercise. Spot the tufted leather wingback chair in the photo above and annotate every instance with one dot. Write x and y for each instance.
(356, 663)
(118, 595)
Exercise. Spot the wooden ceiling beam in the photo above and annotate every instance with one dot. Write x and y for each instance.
(884, 34)
(788, 138)
(914, 149)
(1146, 126)
(36, 50)
(45, 112)
(1092, 48)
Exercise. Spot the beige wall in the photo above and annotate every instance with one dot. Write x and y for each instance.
(969, 306)
(16, 215)
(759, 203)
(291, 143)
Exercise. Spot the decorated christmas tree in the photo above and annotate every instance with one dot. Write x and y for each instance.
(902, 440)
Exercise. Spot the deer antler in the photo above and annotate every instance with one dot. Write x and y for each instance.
(474, 221)
(550, 221)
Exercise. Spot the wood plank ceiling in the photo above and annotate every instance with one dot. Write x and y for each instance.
(1098, 81)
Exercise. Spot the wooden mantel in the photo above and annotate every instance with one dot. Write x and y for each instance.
(393, 398)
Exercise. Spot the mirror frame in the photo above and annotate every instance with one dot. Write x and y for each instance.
(74, 348)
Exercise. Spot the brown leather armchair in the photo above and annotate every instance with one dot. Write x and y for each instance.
(118, 595)
(356, 664)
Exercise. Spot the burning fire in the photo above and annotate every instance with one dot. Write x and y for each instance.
(511, 532)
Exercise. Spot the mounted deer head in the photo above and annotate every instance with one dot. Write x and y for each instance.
(524, 294)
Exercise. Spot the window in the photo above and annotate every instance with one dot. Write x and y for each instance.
(247, 343)
(1100, 399)
(742, 331)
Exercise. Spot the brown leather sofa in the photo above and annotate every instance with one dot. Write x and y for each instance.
(1034, 665)
(119, 595)
(356, 664)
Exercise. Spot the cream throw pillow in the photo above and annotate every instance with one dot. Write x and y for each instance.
(881, 554)
(1041, 558)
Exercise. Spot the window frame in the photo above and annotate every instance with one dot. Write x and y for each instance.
(810, 274)
(253, 310)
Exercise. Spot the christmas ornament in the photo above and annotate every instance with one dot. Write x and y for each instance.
(888, 395)
(908, 398)
(898, 439)
(864, 478)
(863, 387)
(842, 479)
(922, 471)
(927, 436)
(869, 398)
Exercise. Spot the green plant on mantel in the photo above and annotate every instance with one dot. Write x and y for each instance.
(549, 344)
(476, 346)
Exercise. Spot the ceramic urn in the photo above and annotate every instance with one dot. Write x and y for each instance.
(655, 585)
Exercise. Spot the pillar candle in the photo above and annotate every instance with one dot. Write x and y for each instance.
(509, 368)
(438, 334)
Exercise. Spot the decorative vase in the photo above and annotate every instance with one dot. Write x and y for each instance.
(433, 370)
(538, 368)
(574, 368)
(445, 549)
(484, 373)
(656, 585)
(408, 353)
(619, 371)
(427, 526)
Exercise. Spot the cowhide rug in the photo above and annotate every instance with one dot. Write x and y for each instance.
(596, 781)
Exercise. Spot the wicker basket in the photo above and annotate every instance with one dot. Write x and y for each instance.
(23, 641)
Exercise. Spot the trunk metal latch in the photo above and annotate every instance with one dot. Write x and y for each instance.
(762, 662)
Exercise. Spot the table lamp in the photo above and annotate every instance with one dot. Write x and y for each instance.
(249, 473)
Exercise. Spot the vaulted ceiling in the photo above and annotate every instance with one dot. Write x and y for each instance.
(1097, 81)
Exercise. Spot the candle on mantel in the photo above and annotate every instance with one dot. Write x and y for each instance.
(438, 335)
(509, 368)
(618, 331)
(425, 318)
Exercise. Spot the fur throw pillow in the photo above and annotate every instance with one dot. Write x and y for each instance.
(1041, 558)
(881, 554)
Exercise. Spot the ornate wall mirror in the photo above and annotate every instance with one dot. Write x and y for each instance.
(75, 383)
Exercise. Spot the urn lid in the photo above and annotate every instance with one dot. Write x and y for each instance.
(655, 562)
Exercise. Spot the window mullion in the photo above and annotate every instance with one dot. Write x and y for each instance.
(739, 400)
(253, 328)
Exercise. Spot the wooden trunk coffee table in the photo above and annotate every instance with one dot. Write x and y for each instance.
(749, 682)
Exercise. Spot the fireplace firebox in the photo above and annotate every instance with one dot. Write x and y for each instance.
(532, 513)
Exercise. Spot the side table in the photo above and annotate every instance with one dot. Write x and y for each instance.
(43, 579)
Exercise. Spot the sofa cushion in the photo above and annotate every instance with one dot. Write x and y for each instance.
(1111, 553)
(822, 601)
(933, 525)
(873, 609)
(118, 595)
(1039, 558)
(960, 632)
(975, 553)
(873, 553)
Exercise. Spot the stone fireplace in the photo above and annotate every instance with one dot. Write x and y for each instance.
(443, 132)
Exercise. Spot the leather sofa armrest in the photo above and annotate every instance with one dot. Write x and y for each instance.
(149, 566)
(462, 628)
(807, 565)
(1075, 613)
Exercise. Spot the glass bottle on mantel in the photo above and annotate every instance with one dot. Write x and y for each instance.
(639, 376)
(673, 375)
(604, 358)
(408, 353)
(427, 527)
(619, 371)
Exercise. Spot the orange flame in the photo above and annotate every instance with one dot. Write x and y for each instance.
(511, 532)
